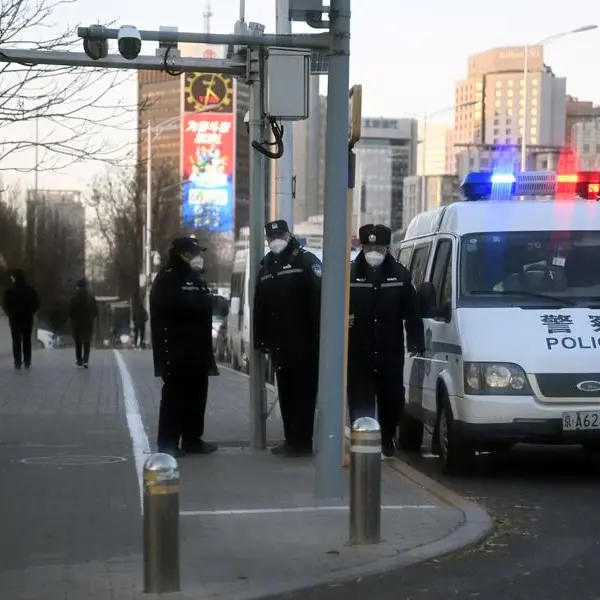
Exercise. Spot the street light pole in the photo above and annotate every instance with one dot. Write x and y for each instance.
(148, 235)
(547, 40)
(423, 164)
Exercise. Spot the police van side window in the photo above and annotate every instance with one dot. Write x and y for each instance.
(418, 265)
(442, 273)
(404, 256)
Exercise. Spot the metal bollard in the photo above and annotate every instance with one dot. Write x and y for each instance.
(161, 524)
(365, 482)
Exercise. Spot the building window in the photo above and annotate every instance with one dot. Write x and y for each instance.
(534, 92)
(496, 131)
(498, 84)
(534, 102)
(533, 131)
(533, 140)
(510, 93)
(509, 121)
(534, 82)
(496, 121)
(498, 103)
(508, 132)
(498, 93)
(510, 83)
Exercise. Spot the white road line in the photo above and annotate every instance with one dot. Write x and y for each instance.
(139, 439)
(296, 509)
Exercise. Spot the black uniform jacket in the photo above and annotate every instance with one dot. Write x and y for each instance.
(20, 303)
(83, 310)
(181, 322)
(382, 301)
(287, 304)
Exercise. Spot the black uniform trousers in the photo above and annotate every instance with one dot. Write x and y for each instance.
(82, 346)
(140, 335)
(182, 410)
(297, 385)
(383, 389)
(20, 332)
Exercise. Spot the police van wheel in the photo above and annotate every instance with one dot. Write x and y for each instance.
(456, 457)
(410, 434)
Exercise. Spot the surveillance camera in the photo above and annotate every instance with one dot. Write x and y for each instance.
(130, 42)
(247, 121)
(96, 46)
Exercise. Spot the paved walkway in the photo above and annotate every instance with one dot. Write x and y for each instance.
(71, 446)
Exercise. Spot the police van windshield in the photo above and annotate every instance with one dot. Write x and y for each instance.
(524, 268)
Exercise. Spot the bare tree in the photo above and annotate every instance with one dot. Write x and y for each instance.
(76, 104)
(12, 232)
(118, 202)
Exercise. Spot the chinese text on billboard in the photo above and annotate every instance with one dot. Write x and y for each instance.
(208, 171)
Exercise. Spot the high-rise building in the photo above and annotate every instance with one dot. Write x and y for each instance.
(439, 190)
(161, 102)
(432, 149)
(585, 142)
(385, 155)
(490, 106)
(577, 111)
(55, 239)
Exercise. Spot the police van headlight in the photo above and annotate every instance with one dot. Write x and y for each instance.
(495, 378)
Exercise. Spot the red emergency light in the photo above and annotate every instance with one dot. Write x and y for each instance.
(585, 184)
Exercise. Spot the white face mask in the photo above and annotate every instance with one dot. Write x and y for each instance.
(374, 258)
(197, 263)
(278, 246)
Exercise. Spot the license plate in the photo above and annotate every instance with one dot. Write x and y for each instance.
(581, 420)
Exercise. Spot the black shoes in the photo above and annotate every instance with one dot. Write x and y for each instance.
(199, 447)
(174, 452)
(291, 451)
(387, 448)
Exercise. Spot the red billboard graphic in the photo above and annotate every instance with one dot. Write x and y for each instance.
(208, 170)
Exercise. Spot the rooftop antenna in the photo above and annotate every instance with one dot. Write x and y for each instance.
(208, 13)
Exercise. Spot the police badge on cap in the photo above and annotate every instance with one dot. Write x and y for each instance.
(276, 228)
(375, 235)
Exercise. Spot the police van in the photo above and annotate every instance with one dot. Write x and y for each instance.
(508, 282)
(238, 324)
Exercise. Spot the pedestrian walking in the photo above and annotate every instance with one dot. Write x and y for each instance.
(20, 303)
(287, 308)
(181, 324)
(140, 318)
(383, 302)
(83, 311)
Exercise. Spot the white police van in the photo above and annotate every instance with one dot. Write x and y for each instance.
(510, 292)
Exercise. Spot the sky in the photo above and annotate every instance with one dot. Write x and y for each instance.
(407, 56)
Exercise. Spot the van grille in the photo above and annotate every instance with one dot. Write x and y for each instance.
(564, 385)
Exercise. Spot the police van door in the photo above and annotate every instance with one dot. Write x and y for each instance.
(414, 368)
(442, 349)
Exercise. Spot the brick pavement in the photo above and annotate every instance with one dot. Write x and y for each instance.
(72, 532)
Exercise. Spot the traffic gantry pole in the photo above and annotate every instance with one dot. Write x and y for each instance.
(161, 525)
(256, 126)
(365, 482)
(328, 474)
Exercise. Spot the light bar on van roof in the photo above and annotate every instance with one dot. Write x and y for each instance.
(487, 185)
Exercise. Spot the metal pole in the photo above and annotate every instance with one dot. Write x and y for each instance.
(312, 150)
(37, 155)
(148, 236)
(285, 165)
(423, 165)
(365, 482)
(258, 393)
(161, 525)
(524, 134)
(328, 476)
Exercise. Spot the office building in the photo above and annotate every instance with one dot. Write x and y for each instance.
(55, 239)
(490, 107)
(385, 155)
(161, 101)
(585, 142)
(577, 111)
(432, 148)
(439, 190)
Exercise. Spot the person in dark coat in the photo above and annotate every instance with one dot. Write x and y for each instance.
(83, 311)
(181, 324)
(140, 317)
(286, 311)
(383, 302)
(20, 303)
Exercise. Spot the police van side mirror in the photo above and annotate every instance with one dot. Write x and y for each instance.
(426, 299)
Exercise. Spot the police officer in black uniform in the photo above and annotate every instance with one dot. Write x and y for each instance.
(181, 323)
(383, 299)
(287, 307)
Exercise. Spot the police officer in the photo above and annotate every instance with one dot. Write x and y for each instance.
(181, 323)
(287, 307)
(382, 300)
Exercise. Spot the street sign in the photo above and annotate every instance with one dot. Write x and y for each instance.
(355, 111)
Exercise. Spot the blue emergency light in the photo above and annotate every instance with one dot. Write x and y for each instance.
(490, 185)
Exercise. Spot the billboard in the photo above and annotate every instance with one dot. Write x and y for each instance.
(208, 140)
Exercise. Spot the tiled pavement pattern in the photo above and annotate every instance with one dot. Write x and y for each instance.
(71, 531)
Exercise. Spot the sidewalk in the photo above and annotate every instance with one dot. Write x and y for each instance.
(250, 526)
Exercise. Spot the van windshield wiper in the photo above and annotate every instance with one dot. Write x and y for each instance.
(558, 299)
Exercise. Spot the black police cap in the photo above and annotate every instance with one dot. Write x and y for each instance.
(187, 245)
(375, 235)
(276, 228)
